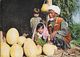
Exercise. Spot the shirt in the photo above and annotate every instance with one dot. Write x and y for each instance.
(34, 21)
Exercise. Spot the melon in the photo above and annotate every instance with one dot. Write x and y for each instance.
(21, 40)
(1, 36)
(39, 49)
(16, 51)
(44, 8)
(5, 49)
(49, 49)
(30, 48)
(12, 36)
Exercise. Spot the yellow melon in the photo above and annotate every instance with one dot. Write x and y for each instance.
(5, 49)
(21, 40)
(16, 51)
(49, 49)
(1, 36)
(30, 48)
(44, 8)
(39, 49)
(12, 36)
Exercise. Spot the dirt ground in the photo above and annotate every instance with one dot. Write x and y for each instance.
(74, 52)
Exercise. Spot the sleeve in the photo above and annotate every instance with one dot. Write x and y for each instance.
(31, 22)
(40, 19)
(64, 25)
(64, 28)
(35, 37)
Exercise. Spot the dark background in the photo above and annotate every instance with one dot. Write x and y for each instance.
(17, 13)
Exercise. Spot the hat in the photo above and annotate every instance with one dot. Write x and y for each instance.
(54, 8)
(36, 10)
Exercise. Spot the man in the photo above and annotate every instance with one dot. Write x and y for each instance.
(35, 19)
(58, 28)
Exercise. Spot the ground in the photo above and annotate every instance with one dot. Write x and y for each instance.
(73, 52)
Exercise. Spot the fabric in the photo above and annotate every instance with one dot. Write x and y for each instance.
(50, 26)
(60, 43)
(45, 33)
(58, 22)
(39, 39)
(34, 21)
(54, 25)
(61, 27)
(54, 8)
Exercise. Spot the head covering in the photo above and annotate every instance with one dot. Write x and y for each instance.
(36, 10)
(45, 33)
(54, 8)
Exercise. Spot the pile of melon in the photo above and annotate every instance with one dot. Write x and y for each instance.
(19, 46)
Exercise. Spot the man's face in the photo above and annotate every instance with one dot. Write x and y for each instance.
(52, 14)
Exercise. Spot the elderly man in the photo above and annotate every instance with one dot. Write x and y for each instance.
(58, 28)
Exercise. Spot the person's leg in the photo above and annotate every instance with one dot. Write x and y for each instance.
(61, 44)
(54, 41)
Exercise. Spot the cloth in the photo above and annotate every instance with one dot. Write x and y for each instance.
(55, 9)
(34, 21)
(62, 32)
(38, 38)
(45, 33)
